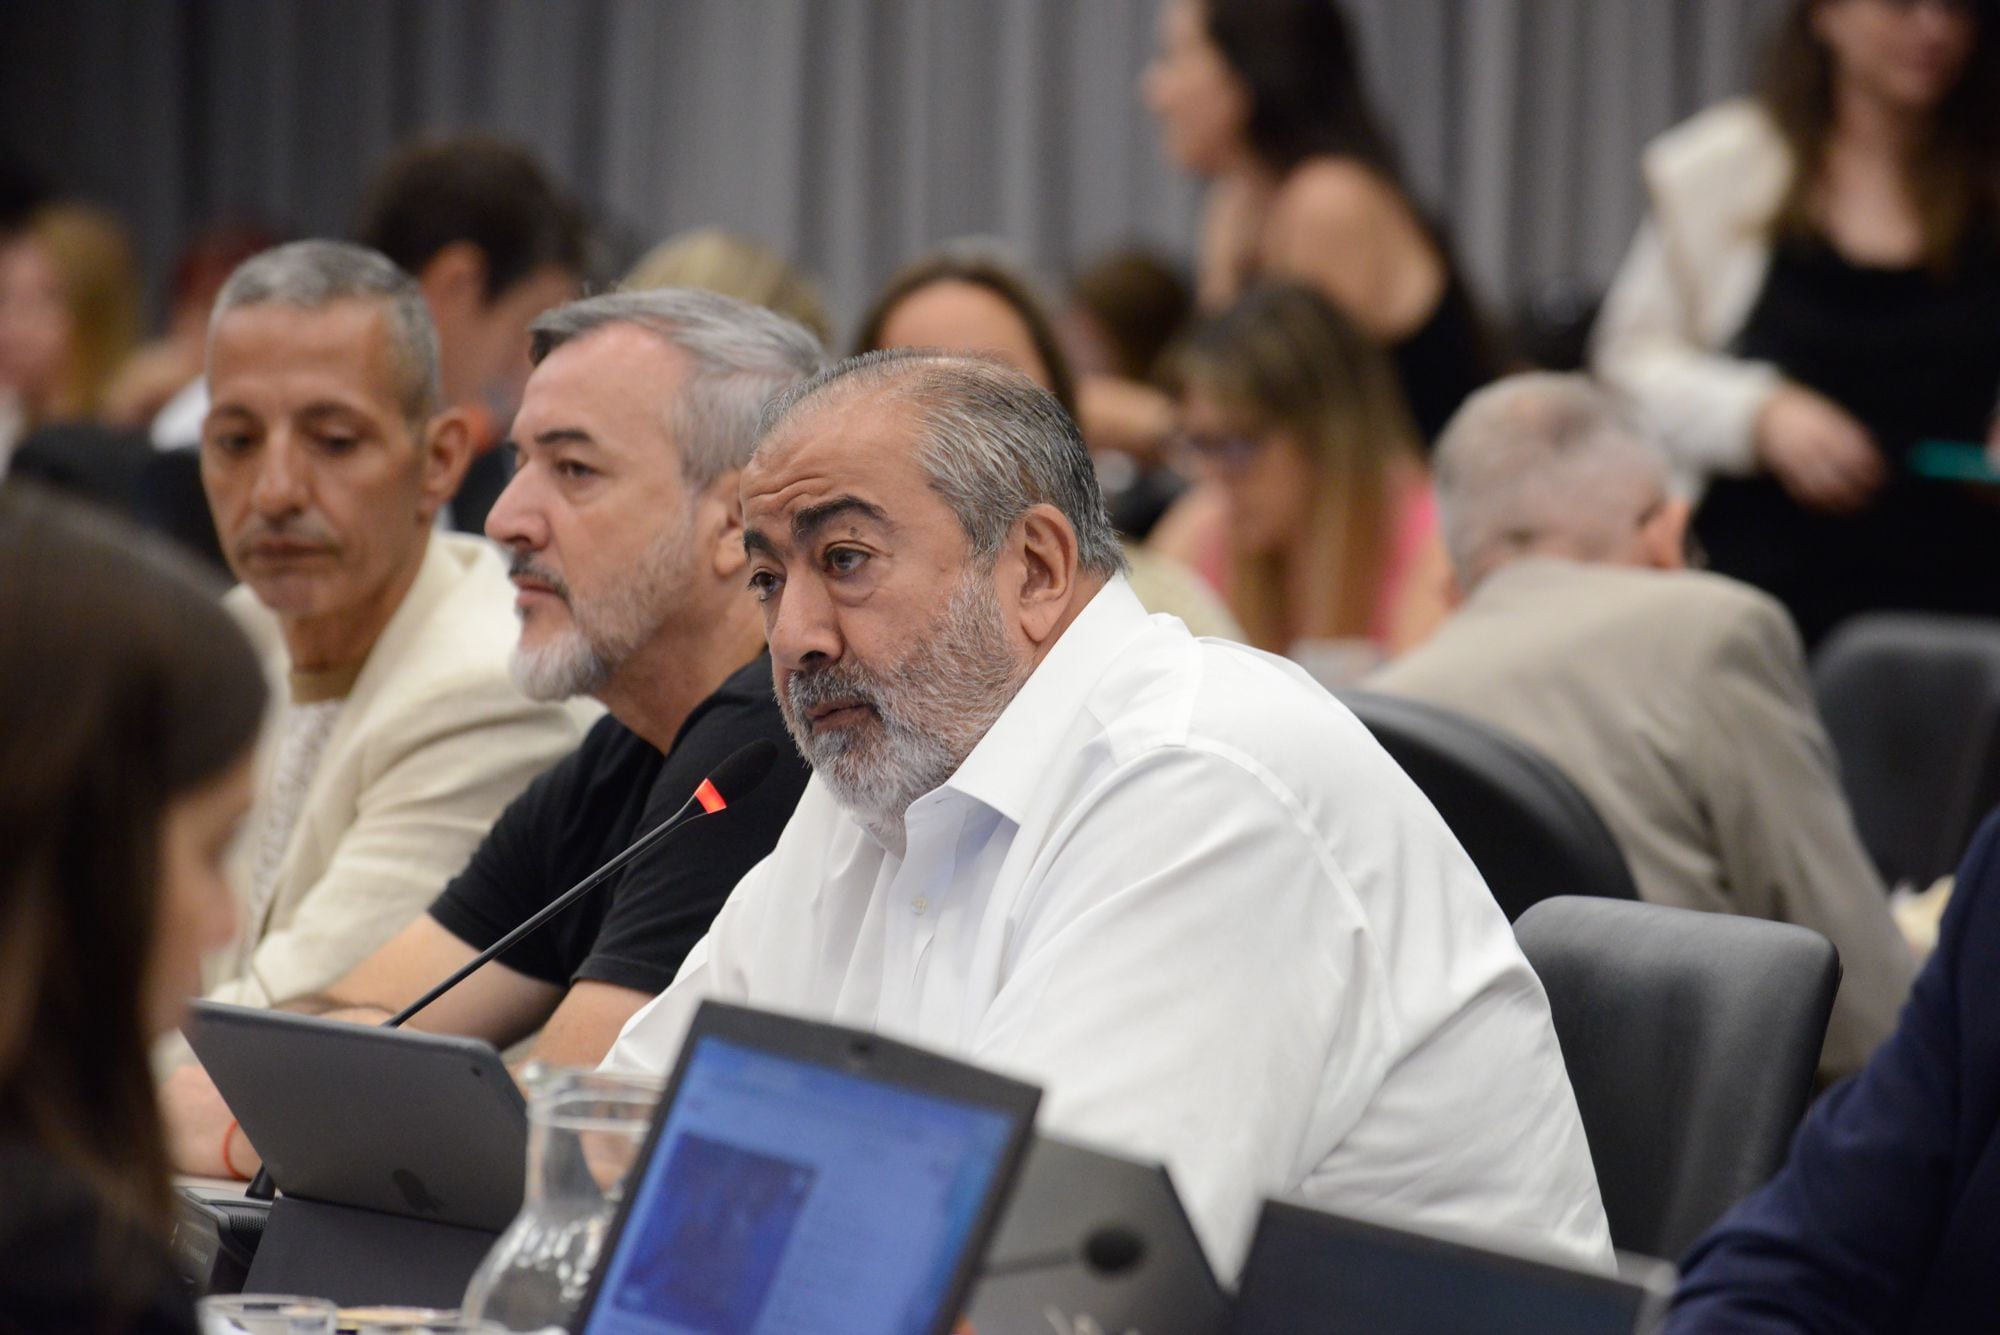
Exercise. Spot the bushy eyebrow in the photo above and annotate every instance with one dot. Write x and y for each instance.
(807, 523)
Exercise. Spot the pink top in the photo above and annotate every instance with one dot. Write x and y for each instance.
(1413, 526)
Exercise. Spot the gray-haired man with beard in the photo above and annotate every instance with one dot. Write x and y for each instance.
(626, 544)
(1171, 880)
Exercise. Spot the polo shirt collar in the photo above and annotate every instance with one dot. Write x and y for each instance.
(1012, 760)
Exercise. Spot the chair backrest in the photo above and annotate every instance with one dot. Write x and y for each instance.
(1691, 1040)
(1526, 827)
(1912, 703)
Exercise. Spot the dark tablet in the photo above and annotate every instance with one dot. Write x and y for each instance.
(1310, 1269)
(801, 1176)
(423, 1125)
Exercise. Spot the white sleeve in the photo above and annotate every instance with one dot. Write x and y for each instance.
(1700, 404)
(1234, 1072)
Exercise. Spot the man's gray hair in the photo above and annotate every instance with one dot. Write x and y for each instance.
(1541, 459)
(312, 275)
(741, 355)
(993, 444)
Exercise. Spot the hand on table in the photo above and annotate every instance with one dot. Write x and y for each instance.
(197, 1120)
(1819, 453)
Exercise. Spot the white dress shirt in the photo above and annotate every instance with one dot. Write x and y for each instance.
(1181, 887)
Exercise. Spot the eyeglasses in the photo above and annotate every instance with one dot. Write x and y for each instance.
(1227, 453)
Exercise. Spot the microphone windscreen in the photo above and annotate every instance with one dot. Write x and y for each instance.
(737, 776)
(1112, 1250)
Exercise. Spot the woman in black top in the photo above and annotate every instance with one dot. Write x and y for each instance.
(1263, 98)
(130, 704)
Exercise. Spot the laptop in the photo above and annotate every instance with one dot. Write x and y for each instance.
(400, 1155)
(1310, 1269)
(1093, 1240)
(804, 1177)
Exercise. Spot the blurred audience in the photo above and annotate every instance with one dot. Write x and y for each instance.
(1814, 295)
(493, 243)
(131, 707)
(325, 458)
(69, 315)
(1264, 99)
(1314, 515)
(713, 260)
(1677, 701)
(1886, 1216)
(623, 526)
(963, 299)
(159, 385)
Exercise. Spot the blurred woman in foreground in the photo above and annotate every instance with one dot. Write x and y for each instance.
(129, 705)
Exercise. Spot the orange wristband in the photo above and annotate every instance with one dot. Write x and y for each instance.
(228, 1134)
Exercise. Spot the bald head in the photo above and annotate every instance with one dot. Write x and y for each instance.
(1547, 465)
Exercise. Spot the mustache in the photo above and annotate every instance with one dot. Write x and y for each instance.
(522, 566)
(838, 683)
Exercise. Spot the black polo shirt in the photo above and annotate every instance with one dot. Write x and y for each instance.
(634, 930)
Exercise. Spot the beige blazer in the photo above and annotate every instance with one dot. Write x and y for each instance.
(1679, 704)
(432, 742)
(1713, 185)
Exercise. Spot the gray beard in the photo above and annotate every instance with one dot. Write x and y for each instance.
(931, 708)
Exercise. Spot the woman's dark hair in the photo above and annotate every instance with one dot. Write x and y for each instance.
(1954, 178)
(1302, 68)
(123, 685)
(1140, 303)
(996, 276)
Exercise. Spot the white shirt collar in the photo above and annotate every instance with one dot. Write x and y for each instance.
(1010, 762)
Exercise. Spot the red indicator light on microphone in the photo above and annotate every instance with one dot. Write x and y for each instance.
(711, 800)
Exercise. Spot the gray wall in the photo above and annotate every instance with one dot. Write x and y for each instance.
(851, 133)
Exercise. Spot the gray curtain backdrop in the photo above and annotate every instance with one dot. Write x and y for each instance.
(850, 134)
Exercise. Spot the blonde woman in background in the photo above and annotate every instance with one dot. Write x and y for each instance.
(69, 316)
(713, 260)
(1315, 516)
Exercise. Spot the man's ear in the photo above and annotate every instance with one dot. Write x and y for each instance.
(454, 281)
(718, 518)
(1663, 538)
(1044, 571)
(447, 448)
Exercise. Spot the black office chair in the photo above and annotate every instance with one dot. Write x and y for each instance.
(1912, 703)
(1523, 823)
(1691, 1040)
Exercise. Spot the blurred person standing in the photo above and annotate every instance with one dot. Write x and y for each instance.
(1264, 100)
(1314, 514)
(961, 299)
(69, 315)
(325, 458)
(129, 707)
(1676, 700)
(1814, 294)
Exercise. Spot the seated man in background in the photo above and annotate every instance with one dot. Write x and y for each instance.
(1676, 700)
(623, 526)
(1886, 1217)
(1169, 879)
(402, 735)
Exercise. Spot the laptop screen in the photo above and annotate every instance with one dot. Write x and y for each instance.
(783, 1195)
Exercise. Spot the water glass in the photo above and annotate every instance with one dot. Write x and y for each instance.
(266, 1314)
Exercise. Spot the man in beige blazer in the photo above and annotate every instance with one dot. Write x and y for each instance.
(402, 735)
(1676, 700)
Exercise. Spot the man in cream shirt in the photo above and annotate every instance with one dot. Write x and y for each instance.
(325, 460)
(1169, 879)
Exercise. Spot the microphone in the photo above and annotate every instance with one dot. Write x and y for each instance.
(731, 781)
(1108, 1250)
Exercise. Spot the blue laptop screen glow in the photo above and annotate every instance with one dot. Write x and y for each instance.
(783, 1196)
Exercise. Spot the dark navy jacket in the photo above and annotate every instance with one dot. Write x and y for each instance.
(1886, 1217)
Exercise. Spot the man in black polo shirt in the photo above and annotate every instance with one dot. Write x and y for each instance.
(626, 540)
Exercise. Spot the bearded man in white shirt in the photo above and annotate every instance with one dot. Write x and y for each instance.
(1171, 880)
